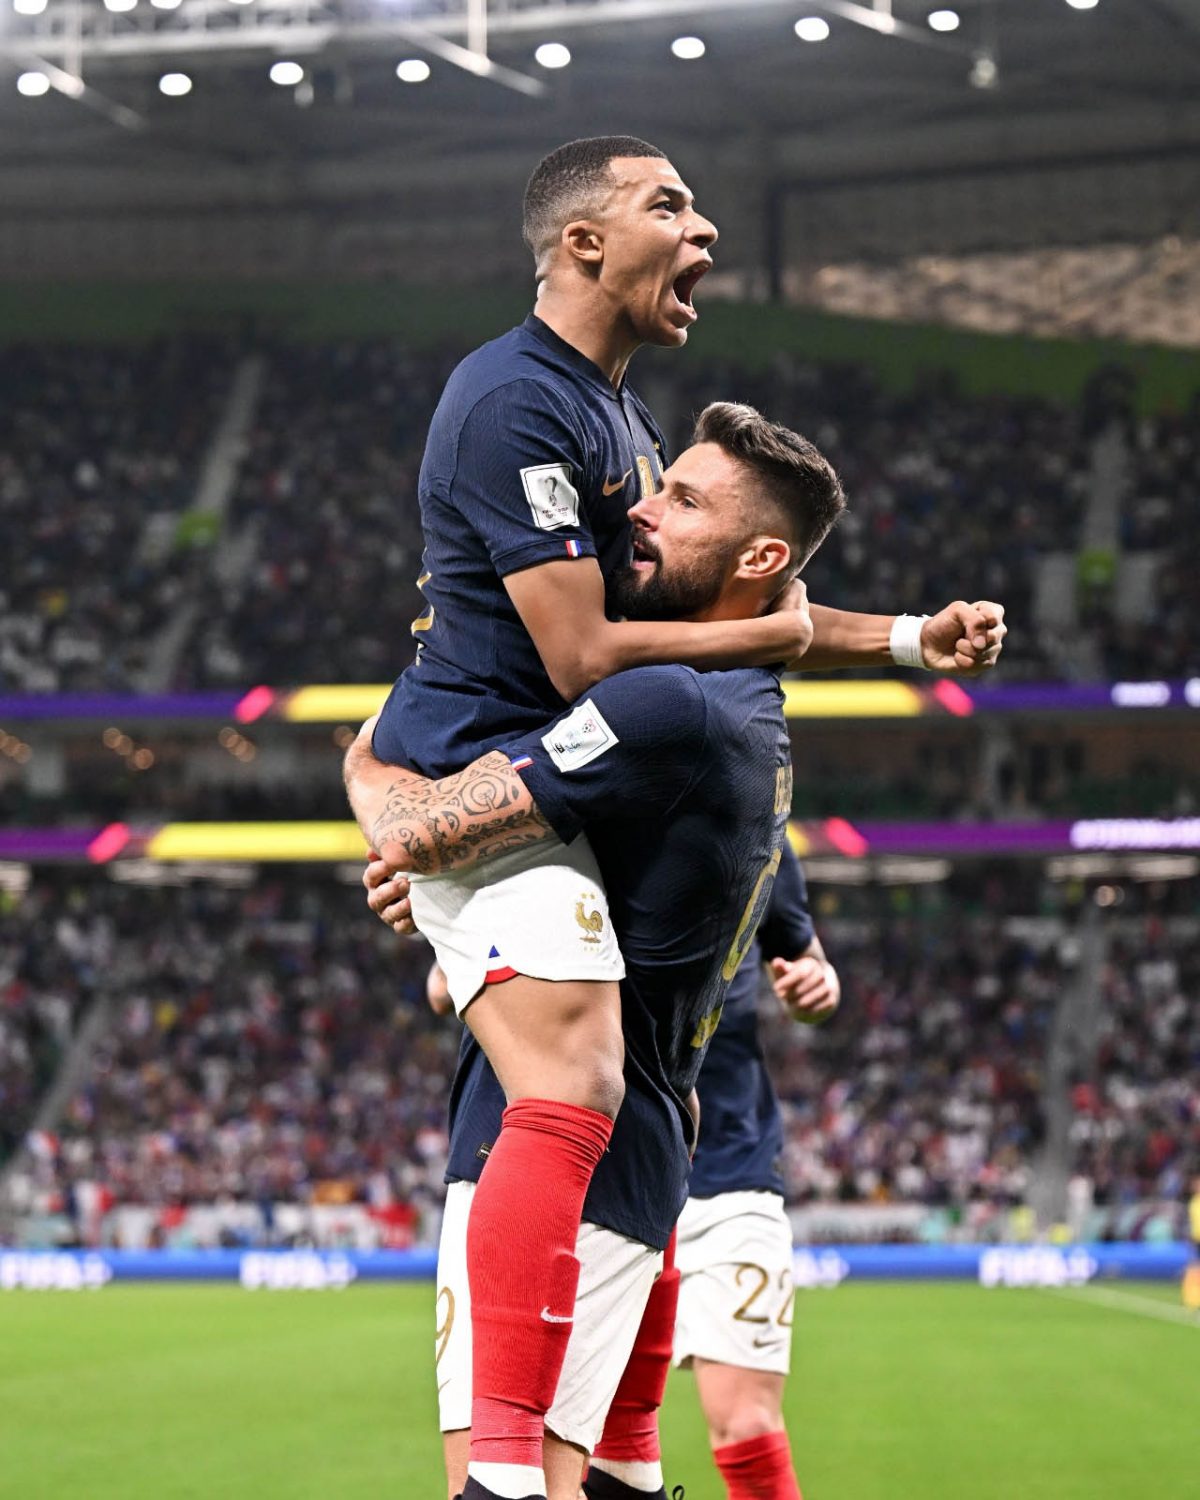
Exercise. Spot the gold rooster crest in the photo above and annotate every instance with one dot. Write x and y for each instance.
(592, 922)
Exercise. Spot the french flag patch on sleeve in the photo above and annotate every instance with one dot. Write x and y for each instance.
(573, 549)
(521, 762)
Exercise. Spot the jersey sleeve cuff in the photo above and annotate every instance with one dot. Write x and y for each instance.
(546, 788)
(542, 550)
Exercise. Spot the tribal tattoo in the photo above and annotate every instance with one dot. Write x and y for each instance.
(429, 827)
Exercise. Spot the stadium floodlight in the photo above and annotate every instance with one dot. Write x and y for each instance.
(1083, 4)
(240, 2)
(120, 7)
(688, 48)
(175, 85)
(29, 7)
(166, 4)
(286, 74)
(412, 70)
(553, 55)
(812, 28)
(33, 85)
(943, 20)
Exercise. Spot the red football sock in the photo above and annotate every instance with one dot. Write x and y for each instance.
(522, 1270)
(631, 1427)
(759, 1468)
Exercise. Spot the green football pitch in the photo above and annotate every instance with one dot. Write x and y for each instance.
(897, 1392)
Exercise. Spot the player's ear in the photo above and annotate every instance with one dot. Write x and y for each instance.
(582, 241)
(764, 557)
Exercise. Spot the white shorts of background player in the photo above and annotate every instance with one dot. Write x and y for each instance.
(542, 908)
(615, 1277)
(736, 1292)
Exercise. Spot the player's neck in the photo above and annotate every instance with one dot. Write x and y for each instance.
(732, 604)
(589, 329)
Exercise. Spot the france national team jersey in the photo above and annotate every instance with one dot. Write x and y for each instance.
(532, 457)
(682, 781)
(741, 1132)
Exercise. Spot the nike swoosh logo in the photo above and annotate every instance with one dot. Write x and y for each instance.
(549, 1317)
(611, 486)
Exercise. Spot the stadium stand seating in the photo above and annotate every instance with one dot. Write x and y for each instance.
(99, 456)
(950, 492)
(269, 1045)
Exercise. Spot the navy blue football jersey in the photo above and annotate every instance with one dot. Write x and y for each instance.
(532, 456)
(741, 1131)
(682, 781)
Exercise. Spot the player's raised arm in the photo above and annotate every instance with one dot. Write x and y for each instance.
(964, 639)
(562, 606)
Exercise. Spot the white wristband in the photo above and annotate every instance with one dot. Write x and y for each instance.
(905, 641)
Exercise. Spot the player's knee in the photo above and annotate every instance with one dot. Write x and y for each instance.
(742, 1421)
(606, 1084)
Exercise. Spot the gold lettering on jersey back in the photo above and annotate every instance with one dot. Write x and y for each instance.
(708, 1025)
(592, 922)
(425, 621)
(783, 790)
(748, 925)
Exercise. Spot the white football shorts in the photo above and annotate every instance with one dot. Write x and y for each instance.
(615, 1277)
(736, 1291)
(539, 911)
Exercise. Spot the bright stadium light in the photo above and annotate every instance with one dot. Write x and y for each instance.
(240, 2)
(119, 7)
(1083, 4)
(812, 28)
(286, 74)
(166, 4)
(943, 20)
(688, 48)
(29, 7)
(553, 55)
(175, 85)
(33, 85)
(412, 70)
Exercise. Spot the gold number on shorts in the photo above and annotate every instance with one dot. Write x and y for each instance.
(743, 1313)
(444, 1328)
(788, 1287)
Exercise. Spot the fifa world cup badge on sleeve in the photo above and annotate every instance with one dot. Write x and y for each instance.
(552, 496)
(579, 738)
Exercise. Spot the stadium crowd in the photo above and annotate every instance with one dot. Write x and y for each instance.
(928, 1086)
(269, 1044)
(950, 493)
(57, 950)
(327, 489)
(1136, 1116)
(99, 458)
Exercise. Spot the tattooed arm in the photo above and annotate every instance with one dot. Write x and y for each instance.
(426, 827)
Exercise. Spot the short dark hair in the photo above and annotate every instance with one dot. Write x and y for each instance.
(566, 185)
(798, 484)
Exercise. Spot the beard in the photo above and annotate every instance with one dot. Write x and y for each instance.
(689, 588)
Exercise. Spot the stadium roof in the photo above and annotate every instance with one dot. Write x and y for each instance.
(1093, 108)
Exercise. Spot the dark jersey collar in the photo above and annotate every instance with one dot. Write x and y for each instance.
(568, 355)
